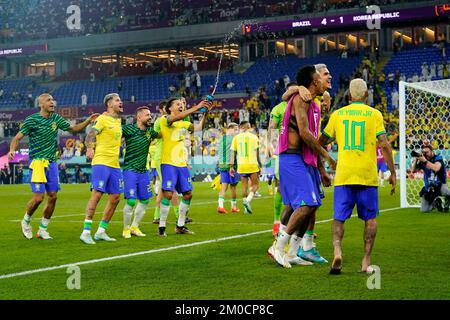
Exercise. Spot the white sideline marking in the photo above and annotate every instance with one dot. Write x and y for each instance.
(24, 273)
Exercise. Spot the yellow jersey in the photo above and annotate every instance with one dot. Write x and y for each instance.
(356, 128)
(109, 137)
(246, 145)
(173, 148)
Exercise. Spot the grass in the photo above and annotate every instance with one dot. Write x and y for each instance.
(411, 249)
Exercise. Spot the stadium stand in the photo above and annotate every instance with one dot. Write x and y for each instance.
(106, 16)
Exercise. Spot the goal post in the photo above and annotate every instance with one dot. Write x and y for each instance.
(424, 109)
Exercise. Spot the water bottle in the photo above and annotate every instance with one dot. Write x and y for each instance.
(209, 98)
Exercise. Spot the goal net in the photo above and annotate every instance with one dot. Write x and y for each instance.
(424, 111)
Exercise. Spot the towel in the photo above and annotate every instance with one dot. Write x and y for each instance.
(38, 166)
(309, 156)
(215, 185)
(284, 131)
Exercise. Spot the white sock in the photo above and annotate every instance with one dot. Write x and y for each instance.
(156, 186)
(233, 204)
(127, 214)
(250, 196)
(308, 241)
(282, 227)
(139, 214)
(44, 224)
(87, 231)
(164, 212)
(282, 240)
(221, 201)
(184, 207)
(101, 230)
(27, 218)
(294, 244)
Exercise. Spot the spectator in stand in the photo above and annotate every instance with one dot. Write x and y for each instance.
(2, 130)
(433, 70)
(84, 99)
(394, 99)
(286, 80)
(63, 176)
(19, 174)
(77, 174)
(391, 78)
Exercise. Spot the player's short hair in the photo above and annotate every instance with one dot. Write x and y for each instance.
(320, 66)
(243, 123)
(169, 104)
(109, 97)
(232, 125)
(358, 89)
(41, 96)
(162, 104)
(142, 108)
(290, 84)
(305, 76)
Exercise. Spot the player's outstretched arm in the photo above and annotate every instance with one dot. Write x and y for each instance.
(14, 143)
(90, 141)
(199, 126)
(301, 116)
(188, 112)
(387, 155)
(272, 126)
(301, 90)
(80, 126)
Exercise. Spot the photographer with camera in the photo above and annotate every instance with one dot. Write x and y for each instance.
(435, 178)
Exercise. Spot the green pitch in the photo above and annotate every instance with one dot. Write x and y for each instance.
(411, 249)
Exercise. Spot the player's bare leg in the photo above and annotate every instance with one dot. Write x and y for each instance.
(157, 214)
(32, 205)
(108, 212)
(254, 179)
(338, 235)
(47, 214)
(298, 223)
(223, 190)
(370, 232)
(234, 208)
(90, 211)
(184, 208)
(164, 211)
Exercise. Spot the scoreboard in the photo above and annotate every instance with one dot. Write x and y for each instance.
(345, 20)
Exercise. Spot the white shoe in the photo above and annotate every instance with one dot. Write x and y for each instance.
(271, 251)
(281, 258)
(43, 234)
(87, 238)
(26, 230)
(295, 260)
(103, 236)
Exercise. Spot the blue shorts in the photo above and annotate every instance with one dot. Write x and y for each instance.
(382, 166)
(52, 184)
(225, 177)
(365, 198)
(247, 175)
(300, 184)
(137, 185)
(106, 179)
(154, 172)
(175, 178)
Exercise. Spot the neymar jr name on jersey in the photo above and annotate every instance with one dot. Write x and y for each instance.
(350, 112)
